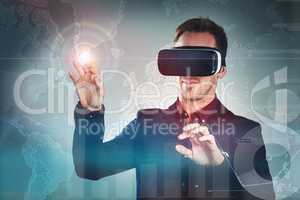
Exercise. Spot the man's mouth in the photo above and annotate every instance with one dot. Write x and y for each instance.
(189, 81)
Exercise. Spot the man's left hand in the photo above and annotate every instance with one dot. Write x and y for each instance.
(204, 149)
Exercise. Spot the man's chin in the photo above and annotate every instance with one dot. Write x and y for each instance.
(189, 97)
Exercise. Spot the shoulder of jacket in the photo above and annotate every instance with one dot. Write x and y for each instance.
(246, 121)
(246, 127)
(240, 120)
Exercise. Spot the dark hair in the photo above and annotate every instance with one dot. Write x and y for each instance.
(201, 25)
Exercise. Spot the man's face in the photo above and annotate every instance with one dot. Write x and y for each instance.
(197, 87)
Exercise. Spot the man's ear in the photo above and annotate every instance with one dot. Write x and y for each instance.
(222, 72)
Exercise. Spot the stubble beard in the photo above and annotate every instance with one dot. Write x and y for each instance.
(192, 96)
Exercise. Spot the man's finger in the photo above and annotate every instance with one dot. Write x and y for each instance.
(195, 132)
(186, 135)
(98, 81)
(92, 67)
(196, 128)
(190, 126)
(79, 68)
(184, 151)
(74, 75)
(200, 130)
(183, 136)
(207, 138)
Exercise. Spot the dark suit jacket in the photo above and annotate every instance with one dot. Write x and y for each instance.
(148, 144)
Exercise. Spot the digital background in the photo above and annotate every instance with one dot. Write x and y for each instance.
(37, 97)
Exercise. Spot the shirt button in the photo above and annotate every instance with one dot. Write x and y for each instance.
(185, 115)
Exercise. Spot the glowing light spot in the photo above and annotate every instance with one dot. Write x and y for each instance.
(84, 57)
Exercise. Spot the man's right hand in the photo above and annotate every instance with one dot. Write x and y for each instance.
(88, 85)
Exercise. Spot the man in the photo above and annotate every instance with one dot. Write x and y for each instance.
(195, 149)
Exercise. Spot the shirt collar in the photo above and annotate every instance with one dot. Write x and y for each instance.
(215, 107)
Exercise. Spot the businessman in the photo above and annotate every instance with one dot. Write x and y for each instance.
(194, 149)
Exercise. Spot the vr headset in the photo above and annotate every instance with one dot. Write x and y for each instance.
(190, 61)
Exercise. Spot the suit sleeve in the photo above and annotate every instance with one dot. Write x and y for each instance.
(246, 167)
(93, 158)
